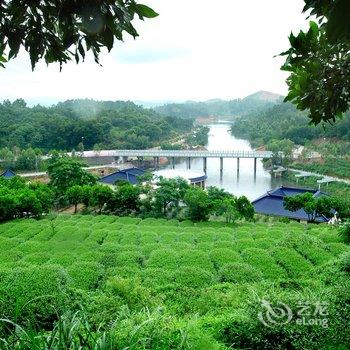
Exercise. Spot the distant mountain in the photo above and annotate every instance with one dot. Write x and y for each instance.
(231, 109)
(264, 96)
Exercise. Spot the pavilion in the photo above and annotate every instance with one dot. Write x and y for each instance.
(130, 175)
(8, 174)
(271, 203)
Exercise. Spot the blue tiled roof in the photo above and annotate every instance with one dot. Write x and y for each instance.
(7, 174)
(130, 175)
(272, 203)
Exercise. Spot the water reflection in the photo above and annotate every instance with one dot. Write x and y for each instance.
(237, 177)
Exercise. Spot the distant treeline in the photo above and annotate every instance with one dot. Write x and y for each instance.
(219, 108)
(284, 121)
(85, 123)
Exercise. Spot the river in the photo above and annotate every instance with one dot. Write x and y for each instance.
(242, 183)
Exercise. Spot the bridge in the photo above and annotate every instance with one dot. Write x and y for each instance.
(172, 154)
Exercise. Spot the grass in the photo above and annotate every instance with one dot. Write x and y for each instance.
(195, 273)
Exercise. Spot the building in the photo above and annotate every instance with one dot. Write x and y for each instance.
(271, 203)
(8, 174)
(131, 175)
(194, 177)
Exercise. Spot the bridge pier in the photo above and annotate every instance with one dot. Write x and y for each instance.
(156, 162)
(205, 164)
(173, 162)
(255, 163)
(189, 163)
(238, 159)
(221, 164)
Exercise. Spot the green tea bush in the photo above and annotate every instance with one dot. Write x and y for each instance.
(262, 260)
(239, 273)
(295, 265)
(337, 248)
(329, 237)
(164, 258)
(241, 244)
(265, 243)
(130, 258)
(36, 258)
(11, 256)
(195, 258)
(345, 262)
(222, 256)
(33, 294)
(155, 277)
(130, 291)
(86, 275)
(186, 223)
(316, 255)
(64, 259)
(193, 277)
(127, 220)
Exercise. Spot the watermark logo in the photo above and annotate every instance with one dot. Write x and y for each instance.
(306, 314)
(273, 315)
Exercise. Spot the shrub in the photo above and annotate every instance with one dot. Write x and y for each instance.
(293, 262)
(239, 273)
(33, 294)
(345, 262)
(163, 258)
(263, 261)
(193, 277)
(221, 256)
(344, 232)
(86, 275)
(337, 248)
(130, 291)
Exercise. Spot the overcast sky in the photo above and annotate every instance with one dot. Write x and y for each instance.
(194, 50)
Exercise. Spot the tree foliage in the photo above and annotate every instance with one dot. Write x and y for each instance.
(60, 30)
(101, 124)
(319, 62)
(314, 207)
(66, 172)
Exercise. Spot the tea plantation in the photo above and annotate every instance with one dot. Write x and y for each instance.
(127, 283)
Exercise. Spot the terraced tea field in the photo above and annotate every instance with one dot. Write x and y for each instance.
(206, 273)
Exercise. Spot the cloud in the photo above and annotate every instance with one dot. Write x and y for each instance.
(149, 55)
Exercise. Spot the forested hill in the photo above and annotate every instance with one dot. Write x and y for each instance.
(221, 108)
(284, 121)
(100, 124)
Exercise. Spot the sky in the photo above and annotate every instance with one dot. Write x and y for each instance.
(194, 50)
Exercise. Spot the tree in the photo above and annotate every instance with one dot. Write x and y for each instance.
(198, 204)
(7, 205)
(125, 198)
(75, 195)
(229, 209)
(169, 192)
(59, 30)
(65, 172)
(319, 62)
(245, 208)
(100, 195)
(44, 194)
(314, 207)
(27, 204)
(282, 151)
(216, 197)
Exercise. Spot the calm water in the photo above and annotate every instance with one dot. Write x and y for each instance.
(244, 183)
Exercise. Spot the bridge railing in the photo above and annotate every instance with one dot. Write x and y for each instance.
(178, 153)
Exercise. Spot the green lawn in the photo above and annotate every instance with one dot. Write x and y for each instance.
(171, 285)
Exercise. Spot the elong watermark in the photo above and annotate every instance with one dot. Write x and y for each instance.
(306, 314)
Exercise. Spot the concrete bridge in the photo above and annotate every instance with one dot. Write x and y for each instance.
(172, 154)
